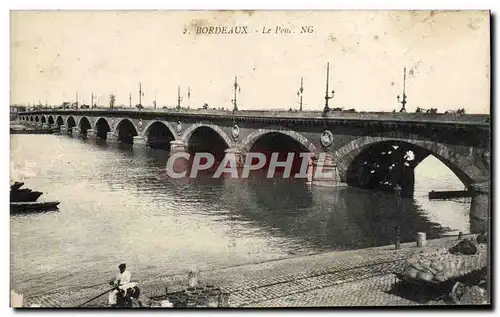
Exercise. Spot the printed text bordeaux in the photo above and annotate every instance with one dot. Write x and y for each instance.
(223, 30)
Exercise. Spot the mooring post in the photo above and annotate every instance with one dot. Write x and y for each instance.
(421, 240)
(397, 242)
(193, 277)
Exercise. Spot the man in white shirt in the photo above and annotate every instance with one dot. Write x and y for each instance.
(121, 282)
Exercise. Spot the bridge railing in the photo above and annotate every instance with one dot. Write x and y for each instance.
(362, 115)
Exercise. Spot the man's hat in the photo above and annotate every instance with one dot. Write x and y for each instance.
(122, 266)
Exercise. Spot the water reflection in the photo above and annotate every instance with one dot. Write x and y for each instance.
(323, 218)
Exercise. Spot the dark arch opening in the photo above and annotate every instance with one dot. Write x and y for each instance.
(43, 119)
(84, 126)
(385, 165)
(205, 139)
(70, 123)
(36, 119)
(31, 118)
(102, 129)
(159, 136)
(126, 131)
(59, 121)
(276, 142)
(51, 120)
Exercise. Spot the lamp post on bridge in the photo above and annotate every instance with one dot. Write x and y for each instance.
(141, 94)
(236, 89)
(179, 98)
(403, 100)
(327, 96)
(299, 93)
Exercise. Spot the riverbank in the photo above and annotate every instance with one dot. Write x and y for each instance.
(357, 277)
(19, 128)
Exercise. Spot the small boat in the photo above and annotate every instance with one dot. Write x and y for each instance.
(16, 185)
(449, 194)
(18, 207)
(24, 195)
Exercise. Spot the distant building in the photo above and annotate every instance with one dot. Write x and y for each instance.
(17, 108)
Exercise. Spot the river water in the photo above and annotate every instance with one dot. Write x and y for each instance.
(118, 205)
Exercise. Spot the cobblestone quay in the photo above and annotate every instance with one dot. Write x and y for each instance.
(346, 278)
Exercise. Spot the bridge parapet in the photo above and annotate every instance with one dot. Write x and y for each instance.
(477, 119)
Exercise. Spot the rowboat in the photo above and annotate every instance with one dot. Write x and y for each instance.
(16, 185)
(25, 207)
(24, 195)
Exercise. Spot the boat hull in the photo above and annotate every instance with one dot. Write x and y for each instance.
(24, 196)
(25, 207)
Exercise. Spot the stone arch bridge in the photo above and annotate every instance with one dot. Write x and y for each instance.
(363, 149)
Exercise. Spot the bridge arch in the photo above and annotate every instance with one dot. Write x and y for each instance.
(159, 134)
(352, 154)
(206, 137)
(250, 140)
(37, 119)
(32, 119)
(147, 129)
(186, 136)
(84, 125)
(43, 119)
(59, 121)
(102, 127)
(70, 123)
(279, 141)
(50, 120)
(126, 130)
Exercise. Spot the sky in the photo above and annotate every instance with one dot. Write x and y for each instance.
(57, 54)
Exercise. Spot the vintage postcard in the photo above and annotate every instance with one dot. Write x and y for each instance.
(191, 159)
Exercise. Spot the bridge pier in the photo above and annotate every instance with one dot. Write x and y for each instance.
(177, 146)
(45, 126)
(480, 207)
(240, 160)
(140, 142)
(91, 134)
(325, 172)
(63, 129)
(111, 137)
(75, 131)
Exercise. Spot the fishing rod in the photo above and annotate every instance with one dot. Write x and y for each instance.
(109, 290)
